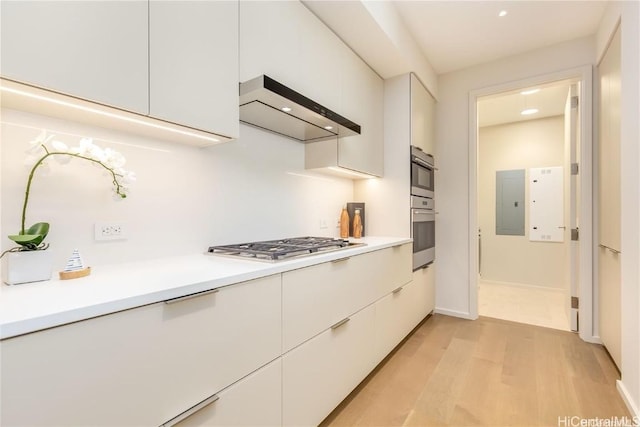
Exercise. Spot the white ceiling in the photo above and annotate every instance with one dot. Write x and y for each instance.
(458, 34)
(506, 107)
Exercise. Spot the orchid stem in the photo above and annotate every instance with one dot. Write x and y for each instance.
(52, 153)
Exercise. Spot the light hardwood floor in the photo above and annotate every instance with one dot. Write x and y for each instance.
(487, 372)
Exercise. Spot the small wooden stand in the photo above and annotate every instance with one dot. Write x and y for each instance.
(67, 275)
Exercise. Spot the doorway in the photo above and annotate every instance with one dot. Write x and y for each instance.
(524, 188)
(536, 272)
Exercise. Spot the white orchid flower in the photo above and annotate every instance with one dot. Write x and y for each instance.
(129, 177)
(61, 147)
(88, 149)
(113, 159)
(38, 160)
(35, 146)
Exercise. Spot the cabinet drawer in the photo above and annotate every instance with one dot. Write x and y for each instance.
(317, 297)
(396, 315)
(425, 280)
(254, 401)
(150, 363)
(395, 267)
(401, 310)
(319, 374)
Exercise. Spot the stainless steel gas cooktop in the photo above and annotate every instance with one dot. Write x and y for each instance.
(279, 250)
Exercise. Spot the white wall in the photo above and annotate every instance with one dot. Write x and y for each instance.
(521, 145)
(185, 198)
(452, 136)
(629, 15)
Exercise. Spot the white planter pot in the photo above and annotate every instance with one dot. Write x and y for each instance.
(27, 267)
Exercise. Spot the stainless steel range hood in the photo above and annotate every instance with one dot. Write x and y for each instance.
(269, 105)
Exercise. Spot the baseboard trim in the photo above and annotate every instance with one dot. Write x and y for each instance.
(626, 397)
(455, 313)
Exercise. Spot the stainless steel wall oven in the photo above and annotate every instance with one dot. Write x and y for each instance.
(423, 231)
(422, 173)
(423, 216)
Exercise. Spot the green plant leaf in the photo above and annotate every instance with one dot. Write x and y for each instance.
(33, 236)
(39, 228)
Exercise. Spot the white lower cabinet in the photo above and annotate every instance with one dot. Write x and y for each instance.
(426, 280)
(395, 264)
(314, 298)
(320, 373)
(141, 367)
(219, 357)
(253, 401)
(401, 310)
(394, 318)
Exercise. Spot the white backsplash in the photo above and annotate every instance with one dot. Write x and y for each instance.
(184, 200)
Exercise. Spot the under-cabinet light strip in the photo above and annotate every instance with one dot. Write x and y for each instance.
(110, 114)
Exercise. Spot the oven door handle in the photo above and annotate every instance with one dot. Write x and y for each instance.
(421, 212)
(421, 162)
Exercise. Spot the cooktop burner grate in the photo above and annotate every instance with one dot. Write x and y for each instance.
(275, 250)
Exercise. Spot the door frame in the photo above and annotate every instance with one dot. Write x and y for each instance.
(584, 75)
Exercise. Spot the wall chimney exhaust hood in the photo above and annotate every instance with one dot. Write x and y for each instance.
(269, 105)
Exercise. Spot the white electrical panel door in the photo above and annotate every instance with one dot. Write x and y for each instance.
(546, 204)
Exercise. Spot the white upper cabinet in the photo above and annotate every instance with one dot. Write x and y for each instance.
(287, 42)
(423, 112)
(96, 50)
(174, 61)
(423, 117)
(363, 103)
(193, 56)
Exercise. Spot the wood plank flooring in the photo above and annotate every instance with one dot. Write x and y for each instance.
(487, 372)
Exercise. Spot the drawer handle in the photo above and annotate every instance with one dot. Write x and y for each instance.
(186, 297)
(395, 291)
(615, 251)
(186, 414)
(335, 261)
(340, 323)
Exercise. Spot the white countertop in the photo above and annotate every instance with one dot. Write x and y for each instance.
(34, 306)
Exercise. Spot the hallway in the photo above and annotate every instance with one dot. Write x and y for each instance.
(532, 305)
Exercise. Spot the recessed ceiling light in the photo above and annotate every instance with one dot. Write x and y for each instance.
(503, 13)
(529, 111)
(286, 109)
(530, 91)
(328, 127)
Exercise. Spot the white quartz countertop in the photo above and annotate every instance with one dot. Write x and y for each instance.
(35, 306)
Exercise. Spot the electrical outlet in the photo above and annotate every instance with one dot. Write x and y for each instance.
(109, 231)
(323, 223)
